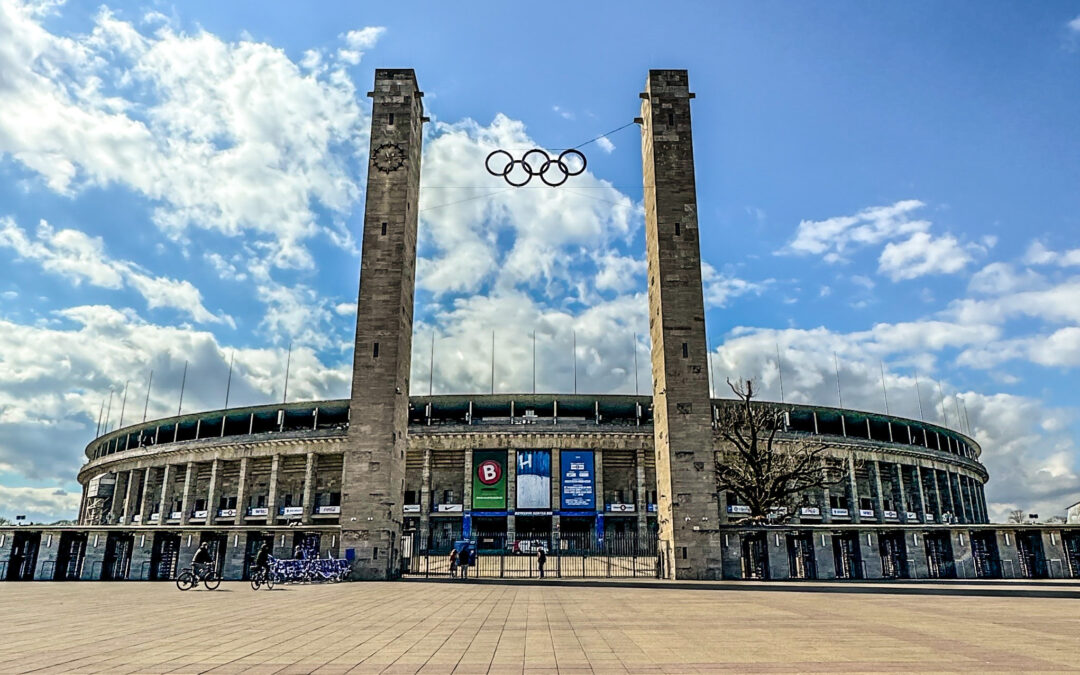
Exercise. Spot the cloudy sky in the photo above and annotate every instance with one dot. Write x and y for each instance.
(897, 185)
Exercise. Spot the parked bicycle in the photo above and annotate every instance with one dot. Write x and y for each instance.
(190, 577)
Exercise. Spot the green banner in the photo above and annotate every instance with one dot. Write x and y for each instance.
(489, 480)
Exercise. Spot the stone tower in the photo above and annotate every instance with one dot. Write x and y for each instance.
(374, 473)
(682, 417)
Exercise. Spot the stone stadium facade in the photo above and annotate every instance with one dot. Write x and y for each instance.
(621, 484)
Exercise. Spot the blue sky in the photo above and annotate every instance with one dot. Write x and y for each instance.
(895, 183)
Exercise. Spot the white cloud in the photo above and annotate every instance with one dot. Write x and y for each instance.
(1039, 254)
(79, 257)
(921, 255)
(719, 288)
(833, 237)
(618, 272)
(605, 144)
(39, 504)
(1000, 278)
(231, 137)
(1074, 25)
(364, 38)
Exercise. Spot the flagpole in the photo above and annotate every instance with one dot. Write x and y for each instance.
(884, 391)
(637, 390)
(431, 366)
(574, 332)
(836, 364)
(780, 368)
(123, 406)
(918, 392)
(146, 404)
(288, 365)
(183, 383)
(228, 383)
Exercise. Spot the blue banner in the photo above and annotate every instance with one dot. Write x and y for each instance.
(533, 480)
(577, 480)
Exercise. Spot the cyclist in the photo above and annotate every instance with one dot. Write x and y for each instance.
(262, 561)
(202, 562)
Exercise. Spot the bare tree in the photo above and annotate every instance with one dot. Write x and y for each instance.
(1016, 516)
(766, 474)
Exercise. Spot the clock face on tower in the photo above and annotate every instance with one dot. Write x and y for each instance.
(388, 157)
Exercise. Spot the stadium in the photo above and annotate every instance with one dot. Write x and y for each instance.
(610, 485)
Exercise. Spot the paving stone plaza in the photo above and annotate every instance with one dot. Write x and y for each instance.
(560, 627)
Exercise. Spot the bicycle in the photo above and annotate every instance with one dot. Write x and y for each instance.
(189, 578)
(261, 576)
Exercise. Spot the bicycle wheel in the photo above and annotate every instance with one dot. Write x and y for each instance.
(256, 581)
(269, 579)
(185, 580)
(212, 581)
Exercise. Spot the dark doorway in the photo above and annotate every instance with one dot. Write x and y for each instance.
(846, 555)
(117, 565)
(24, 552)
(1032, 558)
(308, 543)
(1072, 552)
(801, 561)
(939, 556)
(893, 555)
(165, 555)
(755, 556)
(70, 556)
(255, 541)
(984, 553)
(217, 544)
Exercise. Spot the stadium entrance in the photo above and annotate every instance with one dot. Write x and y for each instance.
(486, 556)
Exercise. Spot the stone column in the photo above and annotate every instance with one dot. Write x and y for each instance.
(129, 496)
(641, 503)
(144, 503)
(241, 492)
(880, 505)
(425, 502)
(902, 507)
(952, 499)
(511, 495)
(938, 503)
(212, 492)
(466, 495)
(853, 487)
(271, 497)
(163, 504)
(963, 515)
(116, 507)
(922, 492)
(309, 487)
(185, 498)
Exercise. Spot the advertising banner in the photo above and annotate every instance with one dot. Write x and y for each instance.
(489, 480)
(533, 480)
(577, 480)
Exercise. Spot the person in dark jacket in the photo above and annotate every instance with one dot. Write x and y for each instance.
(202, 561)
(262, 560)
(541, 560)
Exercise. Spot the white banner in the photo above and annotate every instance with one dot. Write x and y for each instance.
(809, 511)
(292, 511)
(198, 514)
(407, 508)
(911, 515)
(738, 508)
(838, 512)
(621, 508)
(330, 509)
(449, 508)
(227, 513)
(175, 515)
(258, 511)
(892, 514)
(866, 513)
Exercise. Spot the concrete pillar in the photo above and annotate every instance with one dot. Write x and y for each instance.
(922, 492)
(94, 556)
(45, 567)
(1009, 553)
(870, 552)
(965, 516)
(144, 503)
(953, 505)
(898, 471)
(212, 492)
(641, 502)
(601, 501)
(963, 562)
(119, 498)
(879, 499)
(853, 489)
(241, 493)
(129, 496)
(165, 504)
(776, 545)
(682, 411)
(1057, 561)
(824, 560)
(731, 555)
(425, 501)
(309, 487)
(373, 491)
(511, 495)
(466, 499)
(141, 555)
(271, 497)
(918, 567)
(185, 498)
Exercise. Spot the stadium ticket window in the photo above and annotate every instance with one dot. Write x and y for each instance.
(755, 556)
(165, 556)
(1032, 558)
(893, 555)
(69, 558)
(216, 543)
(1072, 552)
(24, 553)
(117, 563)
(984, 553)
(534, 529)
(847, 557)
(801, 563)
(939, 556)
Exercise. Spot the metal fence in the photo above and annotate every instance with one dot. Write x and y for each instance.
(491, 555)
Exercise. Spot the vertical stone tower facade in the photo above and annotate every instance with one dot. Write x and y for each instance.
(682, 416)
(374, 471)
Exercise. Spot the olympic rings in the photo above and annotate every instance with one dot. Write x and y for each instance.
(535, 162)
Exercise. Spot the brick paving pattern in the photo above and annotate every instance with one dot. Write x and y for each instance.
(467, 627)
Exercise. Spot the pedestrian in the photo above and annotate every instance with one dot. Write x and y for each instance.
(297, 553)
(453, 562)
(463, 561)
(541, 560)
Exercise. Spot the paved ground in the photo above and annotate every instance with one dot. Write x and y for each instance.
(564, 627)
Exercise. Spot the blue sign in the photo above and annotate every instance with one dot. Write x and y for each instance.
(577, 480)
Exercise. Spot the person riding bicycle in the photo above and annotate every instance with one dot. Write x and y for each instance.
(262, 560)
(202, 561)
